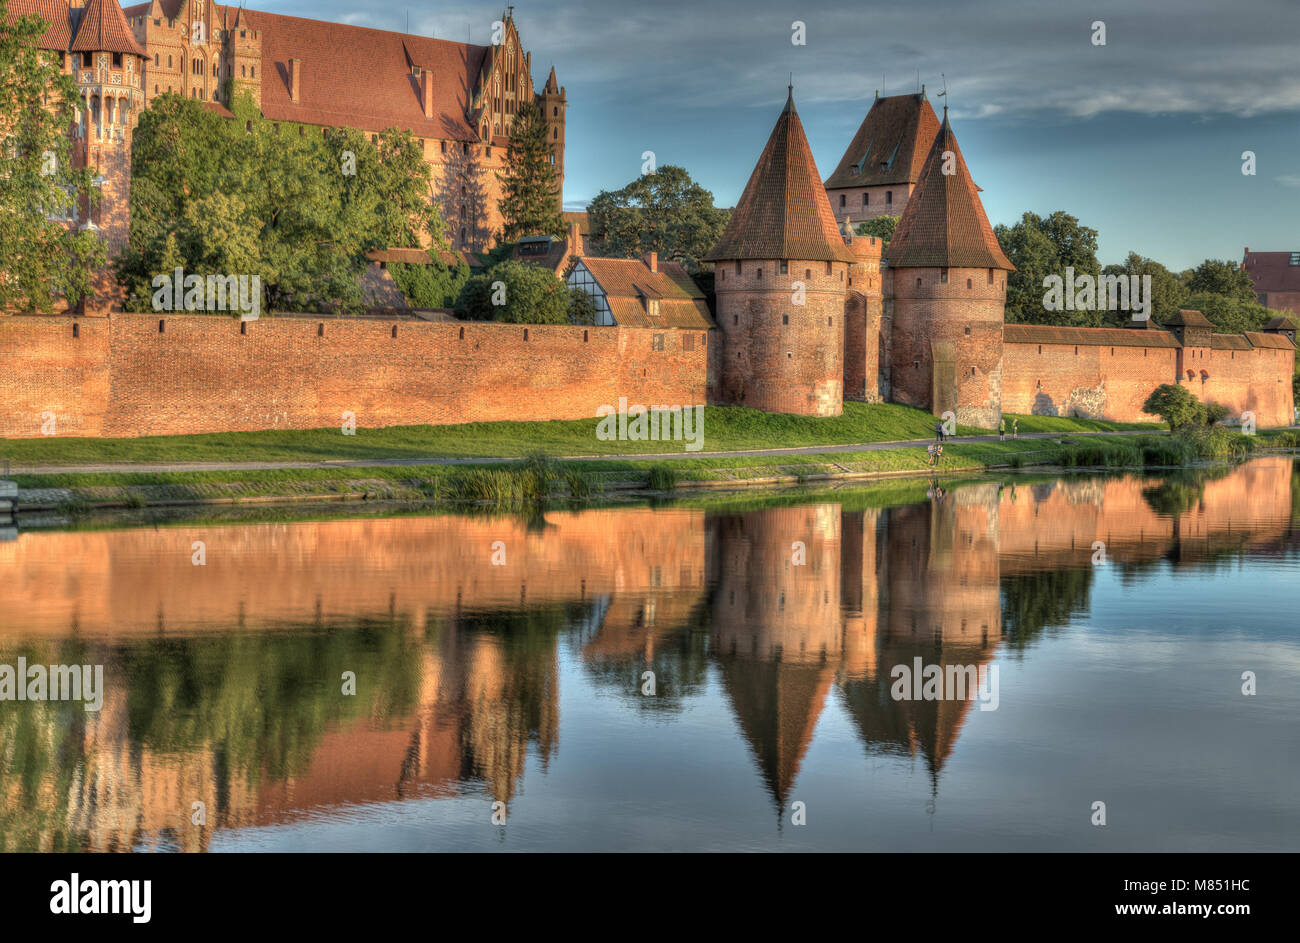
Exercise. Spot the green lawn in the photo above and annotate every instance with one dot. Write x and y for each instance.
(1068, 424)
(726, 428)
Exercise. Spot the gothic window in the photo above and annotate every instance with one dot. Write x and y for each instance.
(843, 199)
(785, 267)
(866, 198)
(889, 196)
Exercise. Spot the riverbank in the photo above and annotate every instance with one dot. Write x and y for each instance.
(587, 480)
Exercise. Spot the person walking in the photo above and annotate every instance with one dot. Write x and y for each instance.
(1015, 428)
(1002, 428)
(938, 431)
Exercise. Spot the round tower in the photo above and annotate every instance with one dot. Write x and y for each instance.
(781, 274)
(948, 289)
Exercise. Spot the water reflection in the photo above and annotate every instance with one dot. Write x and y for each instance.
(225, 682)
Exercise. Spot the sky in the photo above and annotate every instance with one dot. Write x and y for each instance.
(1141, 138)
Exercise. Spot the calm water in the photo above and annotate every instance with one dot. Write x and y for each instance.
(514, 673)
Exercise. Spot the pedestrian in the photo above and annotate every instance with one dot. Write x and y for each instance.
(1002, 428)
(938, 431)
(1015, 428)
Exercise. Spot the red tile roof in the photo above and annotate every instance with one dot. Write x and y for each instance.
(890, 145)
(363, 78)
(1272, 271)
(784, 212)
(626, 281)
(55, 13)
(1091, 336)
(103, 29)
(944, 224)
(1276, 341)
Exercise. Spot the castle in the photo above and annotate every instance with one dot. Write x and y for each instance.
(807, 315)
(459, 100)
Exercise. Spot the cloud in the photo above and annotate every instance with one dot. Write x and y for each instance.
(1289, 180)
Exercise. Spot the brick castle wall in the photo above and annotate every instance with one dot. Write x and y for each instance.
(1099, 381)
(121, 376)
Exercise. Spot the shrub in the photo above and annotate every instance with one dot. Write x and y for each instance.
(1174, 404)
(662, 478)
(1215, 413)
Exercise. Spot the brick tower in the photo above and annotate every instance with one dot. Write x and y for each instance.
(948, 279)
(781, 275)
(863, 304)
(552, 102)
(108, 66)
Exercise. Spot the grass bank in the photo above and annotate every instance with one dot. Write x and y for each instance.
(725, 428)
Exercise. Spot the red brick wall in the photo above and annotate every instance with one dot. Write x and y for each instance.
(1103, 382)
(121, 377)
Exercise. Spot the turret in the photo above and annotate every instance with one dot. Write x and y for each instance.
(781, 272)
(553, 103)
(948, 278)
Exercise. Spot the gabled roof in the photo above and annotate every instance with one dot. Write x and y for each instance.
(890, 145)
(1189, 318)
(627, 281)
(944, 224)
(103, 29)
(57, 17)
(362, 78)
(1280, 323)
(1275, 341)
(1272, 271)
(784, 212)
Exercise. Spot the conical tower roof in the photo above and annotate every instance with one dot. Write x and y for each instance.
(103, 29)
(944, 224)
(552, 85)
(784, 212)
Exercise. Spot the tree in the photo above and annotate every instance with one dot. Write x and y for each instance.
(462, 197)
(516, 293)
(1168, 293)
(530, 193)
(882, 227)
(1231, 315)
(42, 253)
(665, 212)
(1043, 246)
(1220, 278)
(297, 207)
(435, 285)
(1174, 404)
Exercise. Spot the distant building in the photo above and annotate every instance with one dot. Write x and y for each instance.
(550, 252)
(1276, 277)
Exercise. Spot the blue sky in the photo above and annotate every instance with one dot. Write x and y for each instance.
(1141, 138)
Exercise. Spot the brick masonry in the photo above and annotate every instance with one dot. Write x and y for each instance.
(121, 376)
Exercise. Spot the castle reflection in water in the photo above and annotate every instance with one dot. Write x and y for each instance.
(224, 680)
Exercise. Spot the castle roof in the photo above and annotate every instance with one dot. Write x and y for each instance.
(784, 212)
(1089, 336)
(1280, 323)
(626, 282)
(103, 29)
(551, 84)
(1273, 271)
(944, 224)
(890, 145)
(57, 17)
(1189, 318)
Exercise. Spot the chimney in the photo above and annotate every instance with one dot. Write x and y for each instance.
(426, 91)
(575, 241)
(295, 79)
(651, 259)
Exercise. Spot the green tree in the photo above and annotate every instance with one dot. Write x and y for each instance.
(436, 285)
(665, 212)
(530, 192)
(882, 227)
(1168, 293)
(516, 293)
(1040, 247)
(1231, 315)
(297, 206)
(1174, 404)
(1220, 278)
(42, 253)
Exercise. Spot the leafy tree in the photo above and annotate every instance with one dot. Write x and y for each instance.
(1220, 278)
(436, 285)
(665, 212)
(1042, 246)
(1231, 315)
(1174, 404)
(297, 206)
(582, 307)
(516, 293)
(530, 192)
(1168, 293)
(1214, 413)
(882, 227)
(42, 256)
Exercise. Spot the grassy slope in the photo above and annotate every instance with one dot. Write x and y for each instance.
(726, 428)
